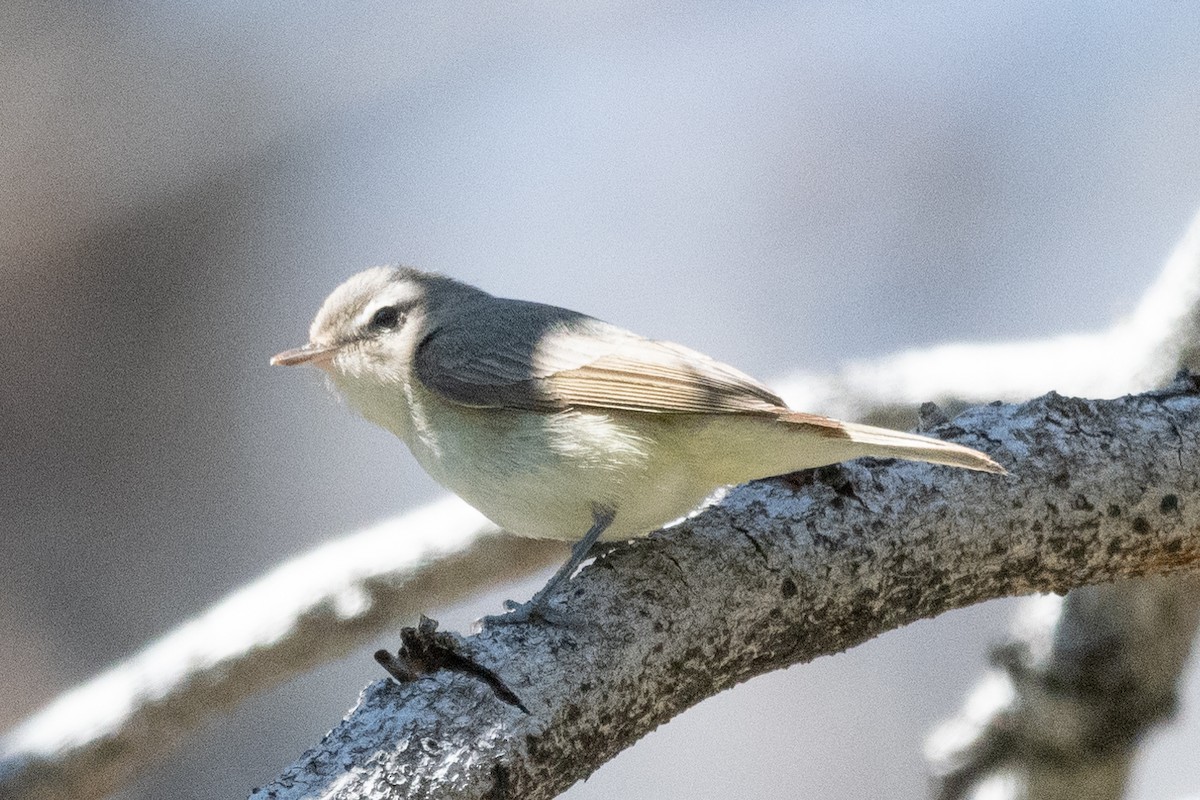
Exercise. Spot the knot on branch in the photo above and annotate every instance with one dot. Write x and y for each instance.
(424, 651)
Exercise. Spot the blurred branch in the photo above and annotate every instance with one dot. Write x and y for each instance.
(782, 571)
(1138, 352)
(94, 738)
(1072, 693)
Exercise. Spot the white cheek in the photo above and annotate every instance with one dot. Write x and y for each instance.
(373, 377)
(370, 362)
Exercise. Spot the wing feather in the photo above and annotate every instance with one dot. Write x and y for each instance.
(542, 358)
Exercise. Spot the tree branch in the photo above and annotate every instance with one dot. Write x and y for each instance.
(96, 737)
(1083, 678)
(314, 608)
(782, 571)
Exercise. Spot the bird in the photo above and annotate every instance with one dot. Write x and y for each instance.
(555, 424)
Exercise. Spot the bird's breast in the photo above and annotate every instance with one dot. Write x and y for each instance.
(543, 474)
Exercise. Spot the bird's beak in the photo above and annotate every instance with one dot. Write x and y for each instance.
(317, 355)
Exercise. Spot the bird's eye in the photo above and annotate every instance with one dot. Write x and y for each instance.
(385, 318)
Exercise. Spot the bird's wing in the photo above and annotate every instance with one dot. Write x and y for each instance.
(542, 358)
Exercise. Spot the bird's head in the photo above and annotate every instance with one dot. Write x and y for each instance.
(367, 331)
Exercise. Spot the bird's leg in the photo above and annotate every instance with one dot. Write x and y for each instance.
(601, 519)
(536, 607)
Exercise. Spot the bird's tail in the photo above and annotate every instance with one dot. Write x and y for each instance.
(841, 440)
(897, 444)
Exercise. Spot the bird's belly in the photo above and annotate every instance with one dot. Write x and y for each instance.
(546, 475)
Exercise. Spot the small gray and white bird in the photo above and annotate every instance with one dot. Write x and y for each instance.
(556, 424)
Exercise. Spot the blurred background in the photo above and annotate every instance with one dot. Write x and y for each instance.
(783, 186)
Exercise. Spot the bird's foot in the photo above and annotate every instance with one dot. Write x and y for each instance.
(538, 608)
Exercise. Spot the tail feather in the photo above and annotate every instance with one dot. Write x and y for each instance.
(897, 444)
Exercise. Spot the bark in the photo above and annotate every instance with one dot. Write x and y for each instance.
(782, 571)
